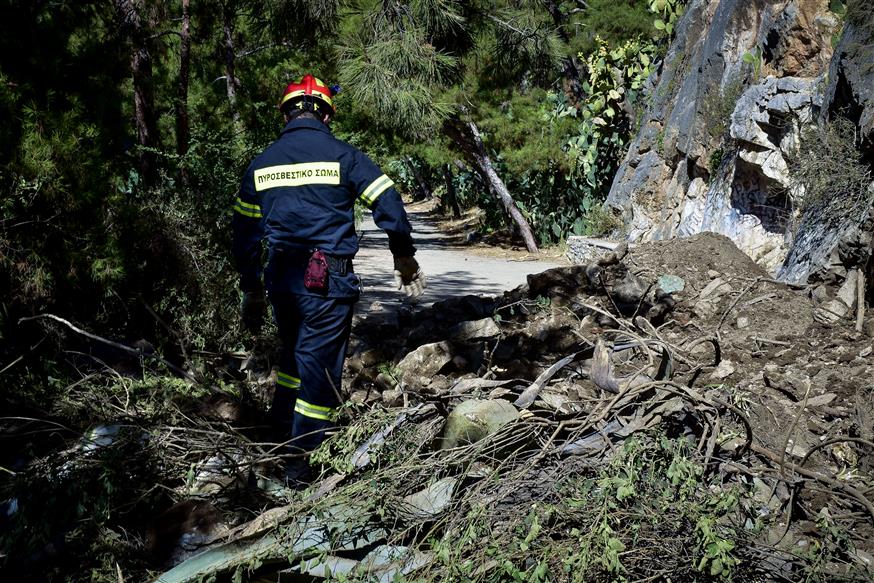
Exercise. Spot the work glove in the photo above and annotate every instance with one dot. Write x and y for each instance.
(252, 310)
(409, 277)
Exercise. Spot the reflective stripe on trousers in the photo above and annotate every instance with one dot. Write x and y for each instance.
(315, 334)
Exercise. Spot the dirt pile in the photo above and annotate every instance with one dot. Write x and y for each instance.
(664, 411)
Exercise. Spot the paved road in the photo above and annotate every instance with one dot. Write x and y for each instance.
(451, 269)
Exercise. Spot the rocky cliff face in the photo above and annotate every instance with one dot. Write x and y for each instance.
(739, 85)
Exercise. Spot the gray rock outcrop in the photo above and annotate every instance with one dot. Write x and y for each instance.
(737, 87)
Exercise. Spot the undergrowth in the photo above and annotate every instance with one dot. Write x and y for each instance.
(830, 171)
(652, 498)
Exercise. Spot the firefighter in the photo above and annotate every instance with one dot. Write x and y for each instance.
(298, 196)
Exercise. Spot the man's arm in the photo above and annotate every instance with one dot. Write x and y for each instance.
(377, 192)
(248, 229)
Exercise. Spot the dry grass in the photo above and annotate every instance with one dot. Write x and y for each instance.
(830, 169)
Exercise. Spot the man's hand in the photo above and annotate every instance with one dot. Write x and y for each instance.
(252, 310)
(409, 277)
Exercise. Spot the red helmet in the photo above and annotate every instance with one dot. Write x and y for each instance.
(309, 91)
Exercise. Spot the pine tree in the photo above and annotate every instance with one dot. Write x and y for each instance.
(135, 25)
(417, 65)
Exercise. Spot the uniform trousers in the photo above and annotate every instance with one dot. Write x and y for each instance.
(314, 332)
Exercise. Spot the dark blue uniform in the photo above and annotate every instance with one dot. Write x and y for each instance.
(299, 196)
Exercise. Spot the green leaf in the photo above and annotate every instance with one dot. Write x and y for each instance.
(659, 24)
(716, 568)
(556, 230)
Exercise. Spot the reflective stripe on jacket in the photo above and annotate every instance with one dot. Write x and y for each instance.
(299, 195)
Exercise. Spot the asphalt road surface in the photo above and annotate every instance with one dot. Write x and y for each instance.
(450, 268)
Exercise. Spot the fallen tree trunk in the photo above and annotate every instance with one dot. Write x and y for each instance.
(467, 137)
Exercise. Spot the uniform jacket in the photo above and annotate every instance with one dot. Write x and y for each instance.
(298, 196)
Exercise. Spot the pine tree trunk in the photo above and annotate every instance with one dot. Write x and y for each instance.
(451, 195)
(570, 66)
(422, 186)
(129, 12)
(182, 124)
(231, 81)
(467, 136)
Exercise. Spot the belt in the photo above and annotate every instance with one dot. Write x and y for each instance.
(339, 265)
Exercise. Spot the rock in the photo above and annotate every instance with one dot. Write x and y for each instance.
(475, 419)
(671, 284)
(743, 322)
(821, 400)
(850, 76)
(429, 503)
(475, 329)
(385, 382)
(819, 294)
(723, 371)
(708, 299)
(765, 495)
(420, 365)
(371, 357)
(182, 530)
(797, 450)
(439, 384)
(869, 328)
(217, 474)
(830, 312)
(360, 361)
(585, 250)
(561, 283)
(629, 292)
(712, 273)
(704, 309)
(393, 398)
(715, 290)
(847, 291)
(362, 397)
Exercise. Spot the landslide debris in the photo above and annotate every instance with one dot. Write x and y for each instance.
(592, 425)
(666, 410)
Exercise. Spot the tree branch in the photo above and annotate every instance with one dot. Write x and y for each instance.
(116, 345)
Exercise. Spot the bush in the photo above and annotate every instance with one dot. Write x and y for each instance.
(829, 170)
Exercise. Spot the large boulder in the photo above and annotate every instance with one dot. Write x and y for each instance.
(476, 419)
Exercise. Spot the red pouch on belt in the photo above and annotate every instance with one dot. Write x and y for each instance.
(315, 278)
